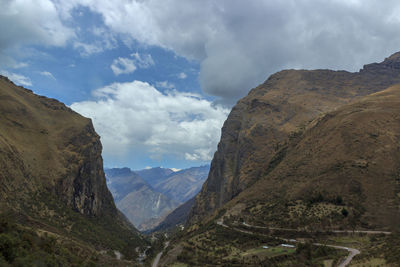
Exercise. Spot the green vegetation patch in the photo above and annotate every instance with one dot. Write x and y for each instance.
(103, 232)
(20, 246)
(268, 252)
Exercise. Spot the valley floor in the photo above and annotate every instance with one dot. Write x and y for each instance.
(241, 244)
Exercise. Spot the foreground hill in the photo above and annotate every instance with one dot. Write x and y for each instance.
(140, 203)
(341, 171)
(262, 122)
(52, 180)
(307, 158)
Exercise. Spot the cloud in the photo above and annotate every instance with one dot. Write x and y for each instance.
(31, 22)
(86, 49)
(123, 66)
(144, 61)
(97, 40)
(129, 65)
(240, 43)
(17, 78)
(47, 74)
(135, 116)
(237, 43)
(19, 65)
(182, 75)
(165, 84)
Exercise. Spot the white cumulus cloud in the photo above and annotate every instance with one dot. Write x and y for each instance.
(137, 117)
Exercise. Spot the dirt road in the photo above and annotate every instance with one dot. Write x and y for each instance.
(158, 257)
(353, 251)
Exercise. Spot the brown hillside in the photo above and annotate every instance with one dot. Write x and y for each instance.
(348, 159)
(51, 171)
(47, 146)
(260, 123)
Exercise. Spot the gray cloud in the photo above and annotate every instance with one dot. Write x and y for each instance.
(30, 22)
(239, 43)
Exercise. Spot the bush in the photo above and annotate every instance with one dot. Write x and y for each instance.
(345, 212)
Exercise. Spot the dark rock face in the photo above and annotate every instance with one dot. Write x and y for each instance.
(55, 147)
(85, 185)
(260, 123)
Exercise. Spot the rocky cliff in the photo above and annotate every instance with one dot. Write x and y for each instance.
(53, 148)
(52, 169)
(278, 110)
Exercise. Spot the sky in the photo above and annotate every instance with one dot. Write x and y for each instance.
(159, 77)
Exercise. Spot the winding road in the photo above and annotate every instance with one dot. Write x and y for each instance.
(158, 257)
(353, 251)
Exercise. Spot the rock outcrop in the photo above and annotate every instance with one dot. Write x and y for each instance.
(55, 148)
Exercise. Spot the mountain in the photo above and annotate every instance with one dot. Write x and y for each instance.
(154, 175)
(307, 155)
(261, 124)
(184, 184)
(52, 181)
(147, 201)
(140, 203)
(343, 170)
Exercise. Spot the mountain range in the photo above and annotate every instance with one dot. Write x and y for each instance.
(147, 196)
